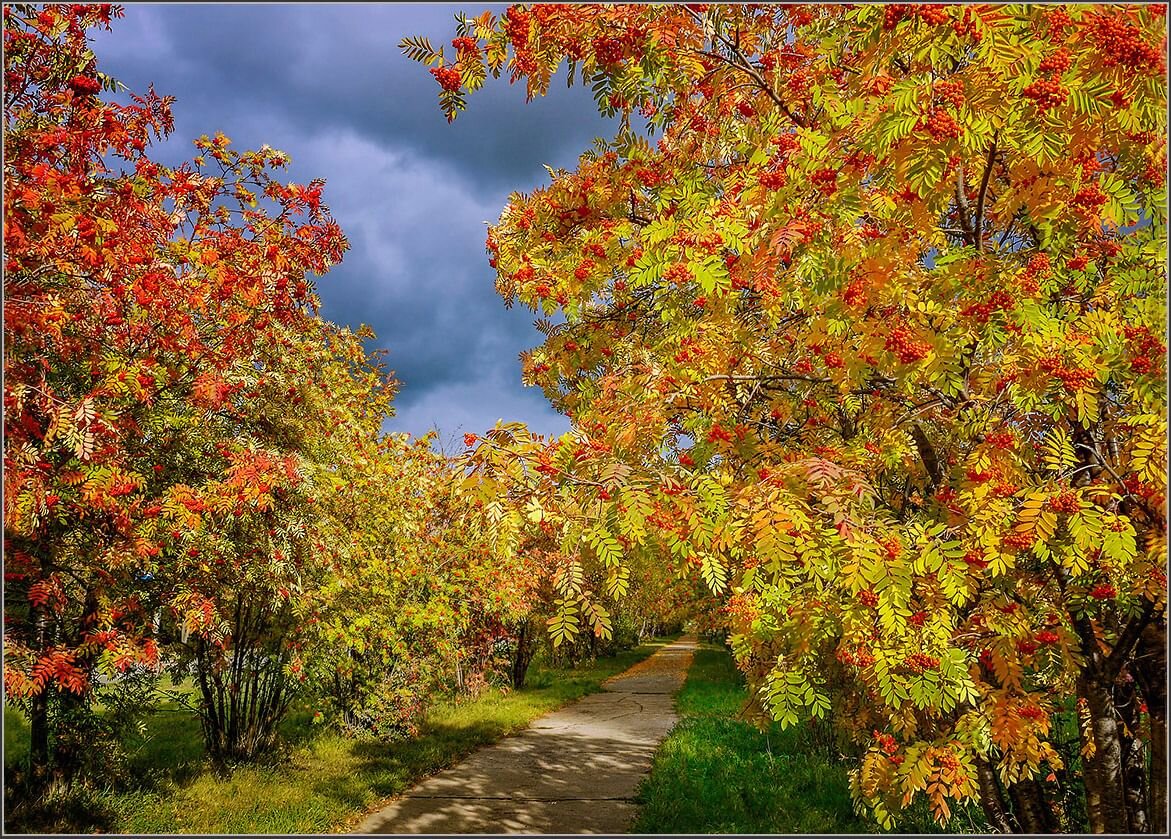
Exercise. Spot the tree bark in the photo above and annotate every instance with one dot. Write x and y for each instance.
(1107, 759)
(991, 800)
(1150, 671)
(1026, 808)
(525, 648)
(1134, 755)
(39, 736)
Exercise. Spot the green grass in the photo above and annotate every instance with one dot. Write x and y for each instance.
(716, 774)
(323, 781)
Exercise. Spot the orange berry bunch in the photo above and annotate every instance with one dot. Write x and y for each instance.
(1000, 439)
(679, 274)
(1148, 350)
(999, 301)
(772, 178)
(886, 743)
(1075, 379)
(448, 77)
(868, 598)
(921, 663)
(1032, 712)
(1046, 93)
(1066, 502)
(950, 91)
(607, 51)
(825, 180)
(1058, 19)
(905, 345)
(1038, 266)
(1103, 591)
(1018, 540)
(1048, 637)
(1122, 43)
(940, 124)
(1089, 198)
(1057, 63)
(798, 84)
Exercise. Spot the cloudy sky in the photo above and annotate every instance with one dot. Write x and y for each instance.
(327, 85)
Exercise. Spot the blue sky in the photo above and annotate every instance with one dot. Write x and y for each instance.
(327, 85)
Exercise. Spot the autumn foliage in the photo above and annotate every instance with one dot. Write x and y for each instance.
(196, 479)
(861, 320)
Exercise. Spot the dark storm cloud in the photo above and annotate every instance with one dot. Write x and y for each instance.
(327, 85)
(321, 66)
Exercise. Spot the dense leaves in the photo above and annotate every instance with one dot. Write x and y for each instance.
(196, 475)
(871, 339)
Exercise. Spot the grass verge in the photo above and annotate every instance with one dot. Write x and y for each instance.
(324, 781)
(716, 774)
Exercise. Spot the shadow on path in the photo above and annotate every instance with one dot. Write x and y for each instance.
(575, 770)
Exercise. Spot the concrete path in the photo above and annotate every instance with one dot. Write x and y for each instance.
(572, 771)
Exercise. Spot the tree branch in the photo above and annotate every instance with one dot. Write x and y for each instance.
(978, 222)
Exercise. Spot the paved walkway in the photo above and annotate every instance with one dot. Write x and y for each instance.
(572, 771)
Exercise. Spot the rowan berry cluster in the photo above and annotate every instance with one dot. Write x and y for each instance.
(921, 663)
(981, 312)
(608, 51)
(1026, 647)
(896, 13)
(855, 293)
(1066, 502)
(773, 178)
(465, 44)
(1147, 349)
(1000, 439)
(918, 619)
(1058, 19)
(798, 84)
(1078, 262)
(1089, 198)
(1056, 64)
(940, 124)
(950, 91)
(966, 25)
(516, 25)
(1032, 712)
(1075, 379)
(1047, 637)
(868, 598)
(1018, 540)
(1122, 43)
(583, 269)
(1046, 93)
(825, 181)
(85, 85)
(678, 273)
(949, 761)
(1103, 591)
(1005, 489)
(886, 743)
(903, 343)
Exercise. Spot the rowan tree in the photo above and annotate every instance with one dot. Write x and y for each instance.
(871, 338)
(161, 339)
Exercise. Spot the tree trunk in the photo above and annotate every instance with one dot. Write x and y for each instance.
(1134, 754)
(1150, 671)
(526, 647)
(39, 737)
(991, 800)
(1106, 762)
